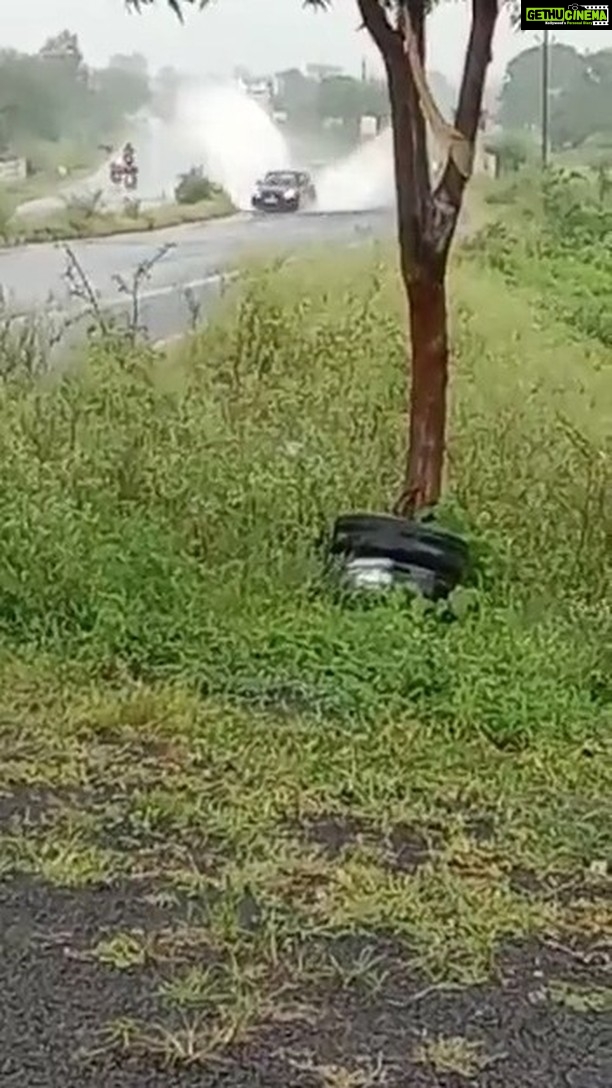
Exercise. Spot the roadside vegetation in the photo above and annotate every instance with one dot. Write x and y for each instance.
(87, 217)
(266, 820)
(194, 187)
(551, 238)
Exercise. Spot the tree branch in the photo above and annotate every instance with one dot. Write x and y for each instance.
(402, 96)
(478, 57)
(374, 19)
(174, 5)
(416, 16)
(469, 107)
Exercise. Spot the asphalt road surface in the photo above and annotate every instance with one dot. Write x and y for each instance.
(32, 278)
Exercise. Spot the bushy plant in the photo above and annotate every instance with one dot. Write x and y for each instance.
(132, 207)
(194, 186)
(512, 150)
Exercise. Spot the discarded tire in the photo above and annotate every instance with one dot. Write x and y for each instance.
(377, 551)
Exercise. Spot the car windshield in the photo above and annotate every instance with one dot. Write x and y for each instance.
(278, 177)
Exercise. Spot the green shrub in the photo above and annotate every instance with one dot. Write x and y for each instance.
(132, 208)
(194, 186)
(512, 150)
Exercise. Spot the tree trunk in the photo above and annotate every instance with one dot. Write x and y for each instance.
(427, 403)
(426, 223)
(423, 272)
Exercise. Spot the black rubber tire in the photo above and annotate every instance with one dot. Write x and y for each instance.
(406, 543)
(402, 527)
(416, 553)
(443, 581)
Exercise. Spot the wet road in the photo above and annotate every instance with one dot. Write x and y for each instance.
(33, 277)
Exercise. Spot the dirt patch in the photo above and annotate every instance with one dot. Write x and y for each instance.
(564, 888)
(407, 1034)
(104, 818)
(362, 1017)
(406, 848)
(577, 961)
(32, 806)
(403, 849)
(481, 826)
(55, 999)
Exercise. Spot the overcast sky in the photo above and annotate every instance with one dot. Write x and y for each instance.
(262, 35)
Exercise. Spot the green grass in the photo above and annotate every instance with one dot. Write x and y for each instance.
(453, 1055)
(176, 671)
(78, 222)
(45, 159)
(174, 520)
(546, 237)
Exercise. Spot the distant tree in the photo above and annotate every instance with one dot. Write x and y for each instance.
(130, 62)
(580, 86)
(349, 98)
(123, 88)
(65, 47)
(582, 109)
(511, 149)
(297, 96)
(52, 95)
(521, 93)
(118, 93)
(30, 97)
(427, 215)
(165, 88)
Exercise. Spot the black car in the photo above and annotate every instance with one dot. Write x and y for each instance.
(284, 191)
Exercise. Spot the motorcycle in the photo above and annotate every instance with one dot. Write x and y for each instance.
(125, 171)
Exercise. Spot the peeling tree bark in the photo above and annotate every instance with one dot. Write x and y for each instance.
(426, 222)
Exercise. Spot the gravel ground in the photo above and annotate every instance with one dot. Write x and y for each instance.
(57, 1003)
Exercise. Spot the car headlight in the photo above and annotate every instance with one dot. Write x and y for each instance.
(290, 193)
